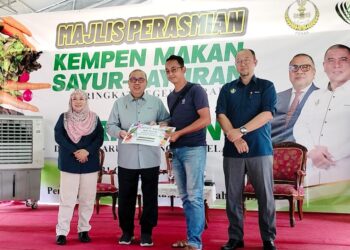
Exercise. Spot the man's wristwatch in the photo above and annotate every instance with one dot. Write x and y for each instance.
(243, 130)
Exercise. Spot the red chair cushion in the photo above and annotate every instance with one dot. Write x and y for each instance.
(105, 188)
(279, 189)
(287, 189)
(286, 163)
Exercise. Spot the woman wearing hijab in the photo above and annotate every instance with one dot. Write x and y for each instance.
(79, 134)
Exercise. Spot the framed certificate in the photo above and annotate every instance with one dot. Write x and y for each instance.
(151, 135)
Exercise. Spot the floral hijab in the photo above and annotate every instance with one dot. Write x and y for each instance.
(78, 124)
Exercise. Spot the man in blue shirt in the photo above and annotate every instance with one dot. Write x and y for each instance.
(189, 112)
(244, 109)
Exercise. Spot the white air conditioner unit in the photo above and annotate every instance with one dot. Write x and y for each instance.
(21, 142)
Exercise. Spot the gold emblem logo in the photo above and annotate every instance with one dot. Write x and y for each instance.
(302, 15)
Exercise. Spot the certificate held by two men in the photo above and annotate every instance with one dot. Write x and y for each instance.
(151, 135)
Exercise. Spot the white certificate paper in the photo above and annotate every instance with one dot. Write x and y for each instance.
(151, 135)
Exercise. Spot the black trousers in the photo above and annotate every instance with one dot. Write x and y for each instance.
(128, 180)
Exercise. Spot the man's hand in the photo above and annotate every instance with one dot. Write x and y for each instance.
(174, 136)
(123, 134)
(153, 123)
(163, 124)
(233, 135)
(241, 146)
(321, 158)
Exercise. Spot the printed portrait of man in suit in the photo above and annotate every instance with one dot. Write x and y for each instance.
(291, 101)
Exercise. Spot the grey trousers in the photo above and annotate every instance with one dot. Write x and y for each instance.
(259, 171)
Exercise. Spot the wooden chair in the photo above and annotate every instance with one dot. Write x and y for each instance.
(169, 174)
(106, 189)
(289, 169)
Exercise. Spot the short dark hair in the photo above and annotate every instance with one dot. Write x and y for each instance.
(337, 46)
(179, 59)
(250, 50)
(303, 54)
(253, 52)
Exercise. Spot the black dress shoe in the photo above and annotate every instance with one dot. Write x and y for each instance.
(61, 240)
(269, 245)
(233, 244)
(84, 237)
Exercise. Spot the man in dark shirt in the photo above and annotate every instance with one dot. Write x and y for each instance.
(244, 108)
(189, 111)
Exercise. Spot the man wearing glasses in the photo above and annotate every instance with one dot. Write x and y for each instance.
(291, 101)
(189, 110)
(137, 161)
(323, 125)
